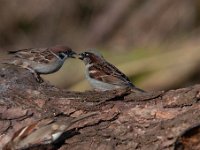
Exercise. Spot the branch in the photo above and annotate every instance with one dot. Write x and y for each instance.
(126, 120)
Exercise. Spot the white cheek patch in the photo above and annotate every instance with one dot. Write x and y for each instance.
(88, 66)
(93, 71)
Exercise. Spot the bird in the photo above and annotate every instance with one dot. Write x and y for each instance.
(102, 75)
(44, 131)
(40, 60)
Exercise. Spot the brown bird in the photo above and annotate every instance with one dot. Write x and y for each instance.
(40, 60)
(102, 75)
(41, 132)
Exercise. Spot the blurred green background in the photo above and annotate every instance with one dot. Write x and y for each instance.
(155, 42)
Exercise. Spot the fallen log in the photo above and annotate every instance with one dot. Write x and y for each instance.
(125, 120)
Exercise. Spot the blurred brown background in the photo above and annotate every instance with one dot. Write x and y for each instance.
(156, 43)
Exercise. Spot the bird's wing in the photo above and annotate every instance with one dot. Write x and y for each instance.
(108, 73)
(27, 130)
(40, 55)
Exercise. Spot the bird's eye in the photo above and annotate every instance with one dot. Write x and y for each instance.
(61, 55)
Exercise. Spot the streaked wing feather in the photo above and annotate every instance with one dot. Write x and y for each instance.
(116, 72)
(40, 55)
(108, 73)
(25, 131)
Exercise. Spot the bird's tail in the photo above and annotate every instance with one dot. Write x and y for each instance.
(136, 89)
(6, 62)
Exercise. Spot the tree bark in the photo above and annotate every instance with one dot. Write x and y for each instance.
(126, 120)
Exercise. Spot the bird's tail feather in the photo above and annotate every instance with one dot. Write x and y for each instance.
(7, 62)
(135, 89)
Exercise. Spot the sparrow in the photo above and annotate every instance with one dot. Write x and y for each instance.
(42, 132)
(40, 60)
(102, 75)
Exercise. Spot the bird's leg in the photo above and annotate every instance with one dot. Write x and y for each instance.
(38, 78)
(35, 74)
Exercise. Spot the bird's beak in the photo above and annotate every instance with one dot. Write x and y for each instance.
(73, 54)
(80, 56)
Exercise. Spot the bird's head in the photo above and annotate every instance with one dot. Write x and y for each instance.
(63, 52)
(90, 57)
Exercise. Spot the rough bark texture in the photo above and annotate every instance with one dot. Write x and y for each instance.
(152, 120)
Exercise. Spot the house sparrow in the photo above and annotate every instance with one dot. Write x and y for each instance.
(42, 132)
(41, 60)
(102, 75)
